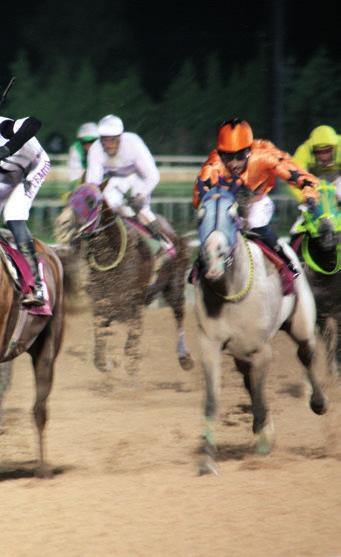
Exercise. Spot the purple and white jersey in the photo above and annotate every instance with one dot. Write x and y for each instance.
(28, 158)
(133, 159)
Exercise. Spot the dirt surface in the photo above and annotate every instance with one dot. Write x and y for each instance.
(125, 460)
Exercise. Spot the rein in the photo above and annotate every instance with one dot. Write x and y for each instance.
(242, 293)
(313, 265)
(121, 253)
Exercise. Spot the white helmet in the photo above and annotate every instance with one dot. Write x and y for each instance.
(88, 131)
(110, 126)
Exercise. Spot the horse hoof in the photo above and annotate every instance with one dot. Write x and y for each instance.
(186, 362)
(207, 467)
(319, 406)
(103, 366)
(263, 447)
(265, 439)
(44, 472)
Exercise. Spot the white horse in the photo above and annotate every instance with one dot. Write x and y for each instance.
(240, 306)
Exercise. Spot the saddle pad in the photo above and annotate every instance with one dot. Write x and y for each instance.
(286, 276)
(13, 256)
(20, 271)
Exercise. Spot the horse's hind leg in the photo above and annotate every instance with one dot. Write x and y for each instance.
(43, 353)
(174, 295)
(254, 373)
(133, 342)
(5, 380)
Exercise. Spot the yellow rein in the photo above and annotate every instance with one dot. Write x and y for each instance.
(122, 251)
(242, 293)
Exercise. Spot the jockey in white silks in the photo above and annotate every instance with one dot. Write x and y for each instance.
(125, 160)
(24, 165)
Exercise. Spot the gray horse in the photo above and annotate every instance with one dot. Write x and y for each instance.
(240, 307)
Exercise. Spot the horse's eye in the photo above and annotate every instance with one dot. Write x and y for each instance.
(201, 213)
(233, 210)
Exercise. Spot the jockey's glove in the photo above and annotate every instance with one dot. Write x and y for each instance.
(312, 207)
(4, 152)
(137, 203)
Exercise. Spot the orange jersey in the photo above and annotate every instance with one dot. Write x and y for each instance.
(265, 164)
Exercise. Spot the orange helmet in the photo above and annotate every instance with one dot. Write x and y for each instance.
(234, 136)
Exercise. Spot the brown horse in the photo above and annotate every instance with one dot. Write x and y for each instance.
(24, 330)
(122, 276)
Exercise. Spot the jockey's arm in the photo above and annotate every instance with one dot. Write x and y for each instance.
(296, 176)
(95, 169)
(18, 132)
(147, 174)
(209, 176)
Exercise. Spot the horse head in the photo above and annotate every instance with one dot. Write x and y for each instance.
(218, 223)
(81, 214)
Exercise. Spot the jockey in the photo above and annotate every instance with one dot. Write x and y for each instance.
(23, 168)
(321, 154)
(77, 159)
(126, 162)
(240, 160)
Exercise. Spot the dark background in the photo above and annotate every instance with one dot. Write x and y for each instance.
(152, 40)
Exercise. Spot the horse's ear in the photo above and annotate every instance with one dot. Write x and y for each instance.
(200, 213)
(234, 210)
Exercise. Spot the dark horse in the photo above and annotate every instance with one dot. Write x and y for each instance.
(37, 331)
(122, 277)
(240, 306)
(320, 247)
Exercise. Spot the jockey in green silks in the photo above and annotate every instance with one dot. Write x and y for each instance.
(321, 153)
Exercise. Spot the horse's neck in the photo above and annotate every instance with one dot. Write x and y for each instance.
(324, 258)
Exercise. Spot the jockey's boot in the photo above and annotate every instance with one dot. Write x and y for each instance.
(289, 263)
(36, 296)
(167, 245)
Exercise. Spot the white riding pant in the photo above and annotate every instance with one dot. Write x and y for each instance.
(260, 212)
(16, 198)
(114, 193)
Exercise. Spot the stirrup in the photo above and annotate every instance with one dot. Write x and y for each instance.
(293, 269)
(34, 298)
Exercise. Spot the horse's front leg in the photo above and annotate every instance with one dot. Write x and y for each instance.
(211, 363)
(174, 295)
(306, 355)
(101, 333)
(330, 330)
(254, 371)
(132, 348)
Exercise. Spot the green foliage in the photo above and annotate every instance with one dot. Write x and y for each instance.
(185, 121)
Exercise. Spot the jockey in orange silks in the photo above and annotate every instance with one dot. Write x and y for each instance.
(239, 160)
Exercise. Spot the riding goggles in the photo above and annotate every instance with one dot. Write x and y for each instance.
(238, 155)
